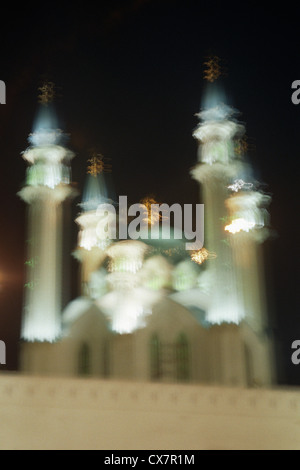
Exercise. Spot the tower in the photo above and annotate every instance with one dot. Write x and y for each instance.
(47, 187)
(235, 218)
(247, 230)
(217, 168)
(91, 243)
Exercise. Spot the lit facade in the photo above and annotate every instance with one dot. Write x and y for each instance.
(141, 315)
(46, 189)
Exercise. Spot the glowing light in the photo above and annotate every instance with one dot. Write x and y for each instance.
(217, 113)
(213, 69)
(130, 249)
(45, 137)
(127, 308)
(128, 318)
(216, 131)
(239, 224)
(152, 215)
(239, 184)
(89, 237)
(199, 256)
(47, 174)
(94, 193)
(50, 153)
(124, 265)
(247, 210)
(47, 93)
(125, 260)
(97, 165)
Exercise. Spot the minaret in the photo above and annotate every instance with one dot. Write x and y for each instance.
(92, 238)
(47, 186)
(247, 228)
(235, 212)
(217, 167)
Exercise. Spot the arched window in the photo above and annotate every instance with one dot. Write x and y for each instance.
(182, 358)
(248, 366)
(84, 360)
(155, 366)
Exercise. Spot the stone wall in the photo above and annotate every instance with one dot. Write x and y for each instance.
(55, 413)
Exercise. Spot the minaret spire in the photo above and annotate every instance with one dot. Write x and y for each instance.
(234, 221)
(47, 93)
(212, 70)
(217, 167)
(48, 185)
(91, 245)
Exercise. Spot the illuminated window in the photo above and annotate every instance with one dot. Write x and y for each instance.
(182, 358)
(84, 359)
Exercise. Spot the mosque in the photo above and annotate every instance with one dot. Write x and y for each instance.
(149, 309)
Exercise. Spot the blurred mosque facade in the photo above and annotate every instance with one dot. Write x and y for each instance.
(148, 310)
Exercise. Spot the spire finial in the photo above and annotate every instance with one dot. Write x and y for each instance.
(213, 68)
(153, 215)
(97, 165)
(47, 93)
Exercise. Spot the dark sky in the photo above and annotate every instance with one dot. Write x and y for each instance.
(130, 76)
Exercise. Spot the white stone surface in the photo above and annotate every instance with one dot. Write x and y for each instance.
(51, 413)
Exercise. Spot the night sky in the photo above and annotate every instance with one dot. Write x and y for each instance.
(130, 80)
